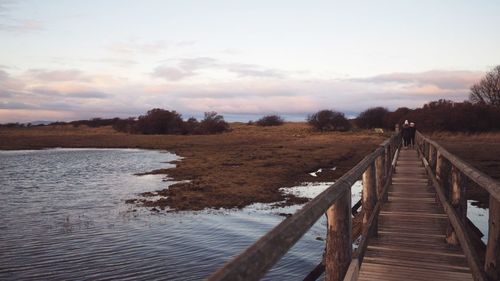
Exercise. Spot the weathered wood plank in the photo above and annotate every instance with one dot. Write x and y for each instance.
(393, 272)
(412, 227)
(458, 226)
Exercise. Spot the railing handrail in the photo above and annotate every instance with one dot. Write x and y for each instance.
(489, 184)
(257, 259)
(452, 196)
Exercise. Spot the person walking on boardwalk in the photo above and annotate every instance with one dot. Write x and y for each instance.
(413, 130)
(405, 133)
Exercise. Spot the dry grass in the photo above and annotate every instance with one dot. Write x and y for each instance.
(480, 150)
(247, 165)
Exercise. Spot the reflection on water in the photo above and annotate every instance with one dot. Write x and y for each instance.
(479, 217)
(64, 217)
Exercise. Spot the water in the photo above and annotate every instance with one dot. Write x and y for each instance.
(64, 217)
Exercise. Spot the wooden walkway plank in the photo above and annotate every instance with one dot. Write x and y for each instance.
(412, 228)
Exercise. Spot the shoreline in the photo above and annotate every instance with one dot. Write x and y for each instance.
(230, 170)
(249, 164)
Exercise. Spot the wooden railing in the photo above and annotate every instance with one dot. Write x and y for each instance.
(448, 175)
(376, 171)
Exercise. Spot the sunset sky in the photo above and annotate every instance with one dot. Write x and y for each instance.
(67, 60)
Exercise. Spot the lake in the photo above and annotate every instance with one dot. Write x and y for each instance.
(64, 217)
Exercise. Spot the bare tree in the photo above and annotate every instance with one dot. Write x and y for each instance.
(487, 91)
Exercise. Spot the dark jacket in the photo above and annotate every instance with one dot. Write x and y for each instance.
(412, 131)
(405, 132)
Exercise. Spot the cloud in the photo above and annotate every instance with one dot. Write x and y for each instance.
(9, 24)
(3, 75)
(153, 47)
(9, 85)
(5, 93)
(58, 75)
(21, 26)
(82, 94)
(176, 70)
(452, 80)
(15, 105)
(89, 95)
(117, 62)
(75, 94)
(172, 73)
(248, 70)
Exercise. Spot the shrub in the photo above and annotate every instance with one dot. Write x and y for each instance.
(372, 118)
(329, 120)
(213, 123)
(191, 126)
(270, 120)
(125, 125)
(160, 121)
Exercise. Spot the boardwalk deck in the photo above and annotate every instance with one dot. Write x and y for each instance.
(411, 239)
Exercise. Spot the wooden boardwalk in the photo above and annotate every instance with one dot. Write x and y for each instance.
(412, 228)
(403, 237)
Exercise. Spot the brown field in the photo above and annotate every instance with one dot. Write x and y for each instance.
(250, 163)
(480, 150)
(234, 169)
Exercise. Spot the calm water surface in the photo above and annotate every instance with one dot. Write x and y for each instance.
(64, 217)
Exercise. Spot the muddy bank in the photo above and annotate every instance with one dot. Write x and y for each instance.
(235, 169)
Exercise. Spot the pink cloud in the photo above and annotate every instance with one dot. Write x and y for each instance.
(58, 75)
(453, 80)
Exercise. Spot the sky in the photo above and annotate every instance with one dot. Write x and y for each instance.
(67, 60)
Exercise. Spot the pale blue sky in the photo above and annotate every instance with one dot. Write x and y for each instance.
(61, 60)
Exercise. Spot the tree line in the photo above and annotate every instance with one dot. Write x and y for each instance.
(441, 115)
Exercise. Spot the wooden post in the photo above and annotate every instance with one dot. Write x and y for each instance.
(440, 170)
(388, 160)
(432, 156)
(380, 176)
(338, 238)
(458, 202)
(492, 258)
(369, 198)
(443, 173)
(388, 167)
(426, 151)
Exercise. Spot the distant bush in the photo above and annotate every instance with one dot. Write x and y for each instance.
(329, 120)
(372, 118)
(270, 120)
(95, 122)
(12, 125)
(160, 121)
(191, 126)
(125, 125)
(213, 123)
